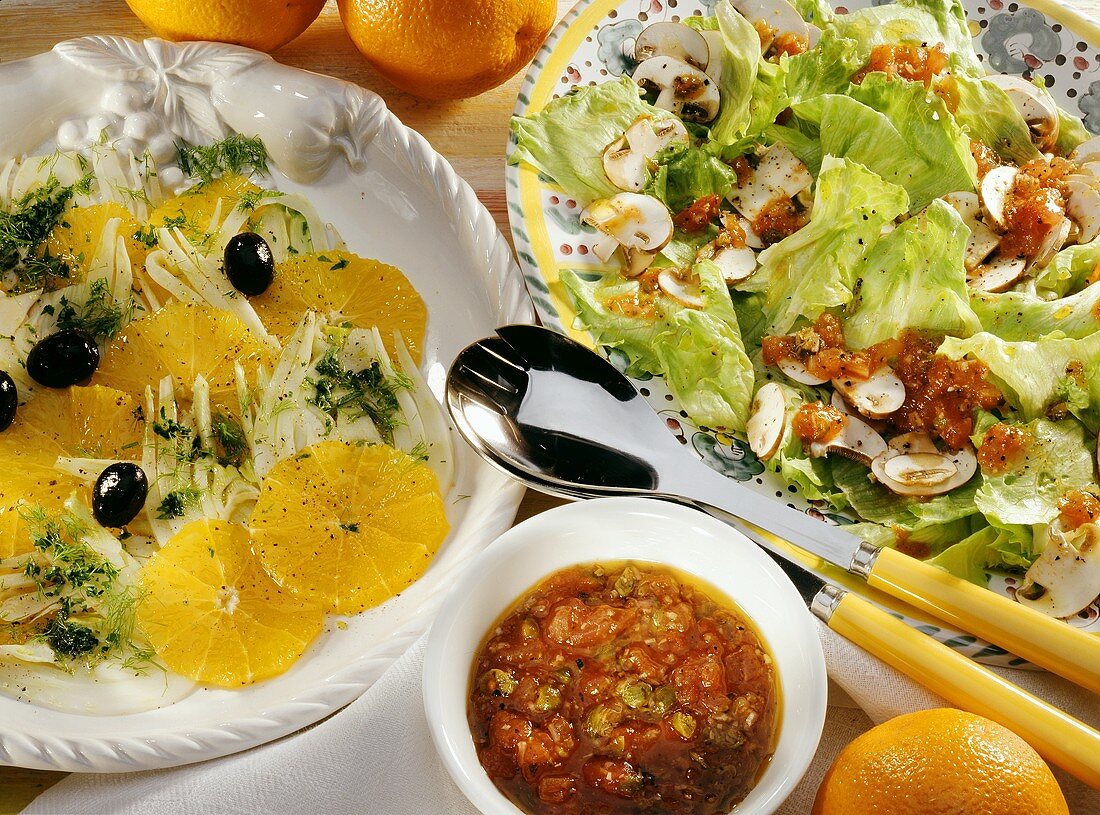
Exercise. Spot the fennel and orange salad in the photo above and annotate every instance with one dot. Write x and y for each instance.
(215, 432)
(839, 237)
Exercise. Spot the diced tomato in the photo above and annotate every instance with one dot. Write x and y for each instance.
(1077, 508)
(573, 623)
(615, 777)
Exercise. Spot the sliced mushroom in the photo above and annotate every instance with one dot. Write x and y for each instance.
(768, 422)
(855, 440)
(635, 221)
(837, 401)
(1034, 104)
(737, 263)
(924, 474)
(982, 240)
(779, 17)
(668, 39)
(627, 160)
(1086, 151)
(995, 188)
(1083, 206)
(876, 397)
(751, 238)
(685, 292)
(681, 88)
(913, 442)
(1052, 243)
(999, 274)
(637, 261)
(800, 373)
(779, 173)
(605, 247)
(1065, 577)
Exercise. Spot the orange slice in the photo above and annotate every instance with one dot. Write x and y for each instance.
(212, 614)
(193, 210)
(183, 340)
(95, 422)
(346, 288)
(348, 525)
(77, 236)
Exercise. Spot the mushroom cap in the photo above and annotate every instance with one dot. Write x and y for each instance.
(1052, 243)
(779, 16)
(737, 263)
(778, 173)
(627, 160)
(1068, 569)
(685, 292)
(856, 440)
(982, 240)
(635, 221)
(875, 397)
(681, 88)
(997, 275)
(1034, 104)
(1086, 151)
(924, 473)
(767, 423)
(800, 373)
(995, 187)
(669, 39)
(1083, 206)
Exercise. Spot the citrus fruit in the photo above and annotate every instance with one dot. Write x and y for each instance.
(212, 614)
(349, 525)
(345, 288)
(77, 236)
(261, 24)
(939, 762)
(183, 340)
(94, 422)
(443, 49)
(193, 210)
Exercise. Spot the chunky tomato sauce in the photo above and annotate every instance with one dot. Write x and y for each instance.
(917, 63)
(779, 218)
(1077, 508)
(621, 689)
(1003, 447)
(1035, 205)
(822, 350)
(817, 422)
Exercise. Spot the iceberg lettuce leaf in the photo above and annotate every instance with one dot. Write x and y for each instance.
(914, 277)
(1069, 269)
(988, 115)
(1020, 315)
(814, 269)
(685, 173)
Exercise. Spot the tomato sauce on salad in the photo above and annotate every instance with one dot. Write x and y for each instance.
(621, 689)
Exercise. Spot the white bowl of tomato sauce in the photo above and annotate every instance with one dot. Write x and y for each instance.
(622, 656)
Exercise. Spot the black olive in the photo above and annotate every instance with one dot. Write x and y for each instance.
(9, 400)
(119, 494)
(248, 263)
(63, 359)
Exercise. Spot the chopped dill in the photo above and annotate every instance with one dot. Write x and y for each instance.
(146, 235)
(250, 199)
(340, 264)
(100, 315)
(176, 503)
(169, 429)
(230, 155)
(26, 225)
(229, 439)
(368, 392)
(420, 451)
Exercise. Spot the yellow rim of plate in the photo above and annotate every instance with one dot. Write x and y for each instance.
(543, 253)
(530, 190)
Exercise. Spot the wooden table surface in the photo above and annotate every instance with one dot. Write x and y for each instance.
(472, 135)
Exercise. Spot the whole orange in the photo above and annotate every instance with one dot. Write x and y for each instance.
(261, 24)
(448, 49)
(939, 762)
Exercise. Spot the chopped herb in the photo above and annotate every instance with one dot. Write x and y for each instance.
(230, 439)
(340, 264)
(170, 429)
(250, 199)
(230, 155)
(350, 527)
(146, 235)
(100, 315)
(176, 503)
(70, 639)
(368, 392)
(419, 451)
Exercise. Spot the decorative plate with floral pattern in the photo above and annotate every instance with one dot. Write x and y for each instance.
(592, 45)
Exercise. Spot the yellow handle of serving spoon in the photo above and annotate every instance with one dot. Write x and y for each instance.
(1056, 736)
(1023, 631)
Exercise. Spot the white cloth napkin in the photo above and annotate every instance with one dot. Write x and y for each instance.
(376, 758)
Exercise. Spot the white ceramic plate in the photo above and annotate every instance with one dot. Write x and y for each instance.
(391, 197)
(643, 530)
(1037, 39)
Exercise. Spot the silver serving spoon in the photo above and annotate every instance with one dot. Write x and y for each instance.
(547, 409)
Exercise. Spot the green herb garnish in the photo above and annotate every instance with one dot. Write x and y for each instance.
(25, 226)
(100, 315)
(230, 155)
(177, 502)
(368, 392)
(229, 438)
